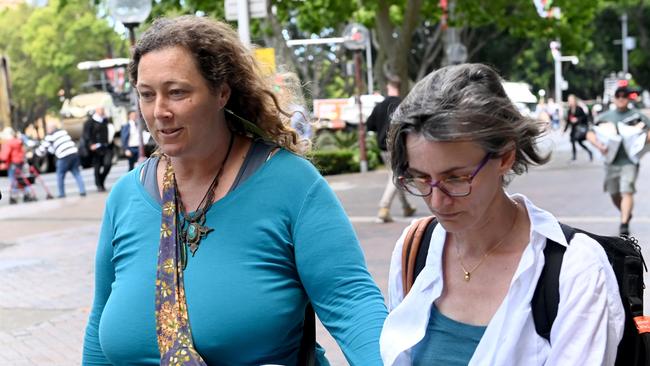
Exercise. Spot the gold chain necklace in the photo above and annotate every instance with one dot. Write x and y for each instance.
(468, 273)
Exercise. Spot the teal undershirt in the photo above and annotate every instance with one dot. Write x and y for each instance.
(280, 235)
(446, 342)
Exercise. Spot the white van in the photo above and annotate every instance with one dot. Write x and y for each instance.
(521, 96)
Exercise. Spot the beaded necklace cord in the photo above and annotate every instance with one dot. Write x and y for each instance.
(191, 227)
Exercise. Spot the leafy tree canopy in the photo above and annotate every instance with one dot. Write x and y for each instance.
(44, 46)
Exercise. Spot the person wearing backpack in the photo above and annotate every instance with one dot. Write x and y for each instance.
(456, 141)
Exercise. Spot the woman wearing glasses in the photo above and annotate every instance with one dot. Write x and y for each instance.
(455, 141)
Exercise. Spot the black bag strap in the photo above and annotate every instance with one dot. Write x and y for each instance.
(307, 351)
(423, 249)
(547, 293)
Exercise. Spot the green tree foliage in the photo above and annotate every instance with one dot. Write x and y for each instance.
(600, 56)
(44, 46)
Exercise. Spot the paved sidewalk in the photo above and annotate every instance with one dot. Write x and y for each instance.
(46, 265)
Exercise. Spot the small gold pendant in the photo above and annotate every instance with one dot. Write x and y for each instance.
(467, 276)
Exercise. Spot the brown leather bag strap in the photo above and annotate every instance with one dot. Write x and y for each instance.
(410, 249)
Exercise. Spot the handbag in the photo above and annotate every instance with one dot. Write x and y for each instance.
(580, 132)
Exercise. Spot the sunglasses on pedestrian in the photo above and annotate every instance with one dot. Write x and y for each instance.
(620, 96)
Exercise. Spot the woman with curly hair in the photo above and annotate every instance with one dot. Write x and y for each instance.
(215, 250)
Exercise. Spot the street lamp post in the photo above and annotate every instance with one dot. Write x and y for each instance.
(355, 38)
(132, 13)
(558, 59)
(624, 41)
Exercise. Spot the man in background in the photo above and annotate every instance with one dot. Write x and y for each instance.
(623, 170)
(58, 142)
(96, 135)
(130, 137)
(379, 121)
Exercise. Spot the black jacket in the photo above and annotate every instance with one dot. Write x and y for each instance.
(379, 120)
(96, 132)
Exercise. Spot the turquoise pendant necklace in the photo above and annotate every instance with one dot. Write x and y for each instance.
(192, 228)
(194, 232)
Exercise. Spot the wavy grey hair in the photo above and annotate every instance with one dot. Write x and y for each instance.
(465, 103)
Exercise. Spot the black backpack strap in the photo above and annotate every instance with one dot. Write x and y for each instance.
(307, 351)
(423, 249)
(547, 293)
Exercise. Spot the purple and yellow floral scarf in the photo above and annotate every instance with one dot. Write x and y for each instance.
(172, 322)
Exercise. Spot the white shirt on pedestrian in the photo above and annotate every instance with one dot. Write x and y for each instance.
(590, 318)
(134, 136)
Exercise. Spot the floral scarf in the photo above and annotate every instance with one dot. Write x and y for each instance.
(172, 323)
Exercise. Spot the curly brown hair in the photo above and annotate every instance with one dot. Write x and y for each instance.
(222, 58)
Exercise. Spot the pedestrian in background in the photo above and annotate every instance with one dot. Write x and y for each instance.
(379, 121)
(96, 135)
(58, 142)
(553, 112)
(578, 120)
(622, 171)
(130, 137)
(249, 232)
(455, 141)
(13, 153)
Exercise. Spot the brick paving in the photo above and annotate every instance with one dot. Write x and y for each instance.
(47, 289)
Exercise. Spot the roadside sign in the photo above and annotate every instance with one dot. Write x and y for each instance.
(355, 36)
(266, 58)
(256, 9)
(330, 110)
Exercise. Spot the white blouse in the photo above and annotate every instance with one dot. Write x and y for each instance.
(590, 317)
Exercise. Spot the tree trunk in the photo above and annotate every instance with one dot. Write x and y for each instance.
(384, 63)
(411, 21)
(284, 55)
(393, 53)
(432, 51)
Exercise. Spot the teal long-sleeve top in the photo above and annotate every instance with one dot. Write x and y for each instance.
(280, 239)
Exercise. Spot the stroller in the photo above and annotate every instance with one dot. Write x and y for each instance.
(24, 182)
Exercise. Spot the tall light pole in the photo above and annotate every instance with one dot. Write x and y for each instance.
(624, 41)
(355, 38)
(132, 13)
(558, 59)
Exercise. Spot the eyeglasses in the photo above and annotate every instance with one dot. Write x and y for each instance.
(453, 187)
